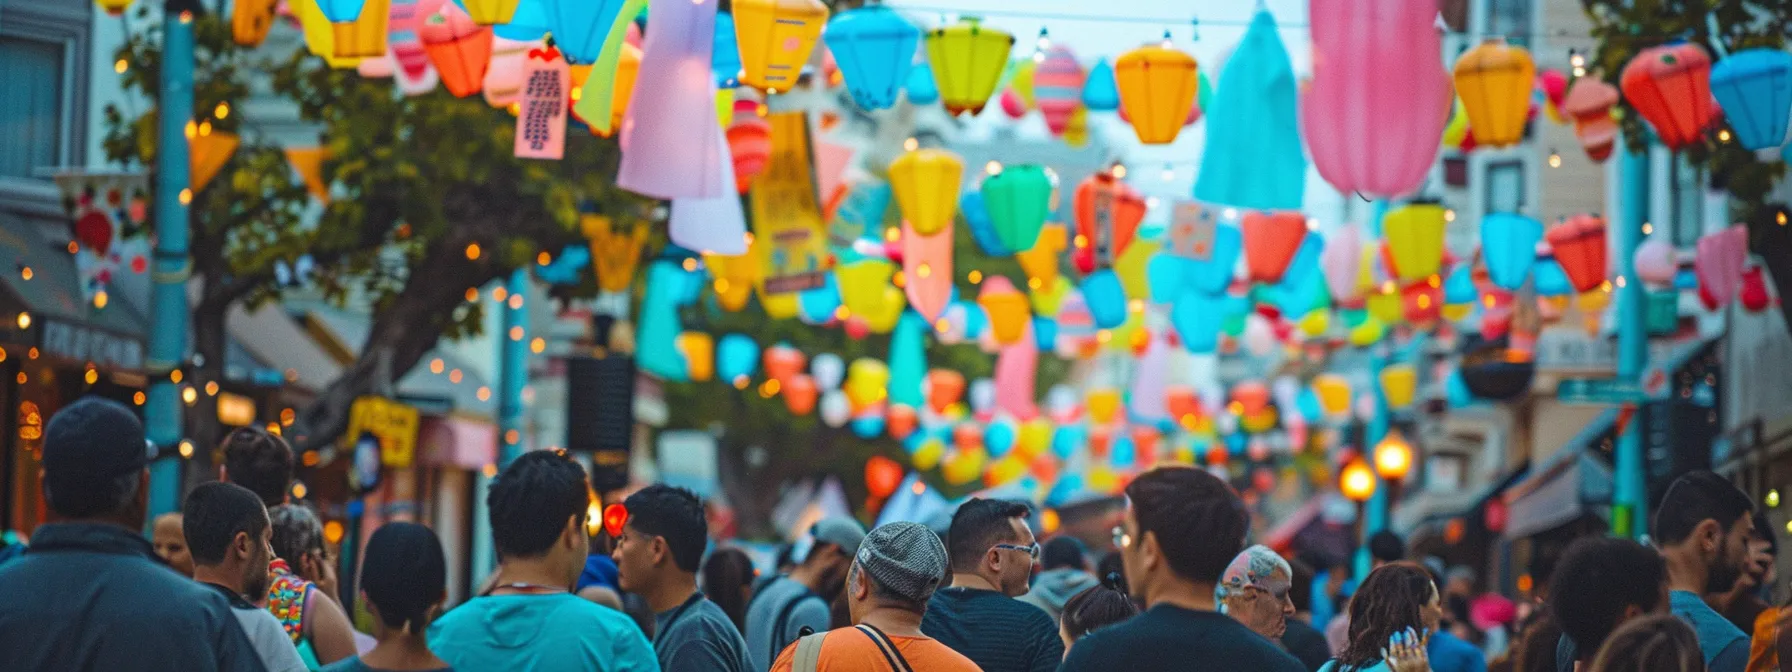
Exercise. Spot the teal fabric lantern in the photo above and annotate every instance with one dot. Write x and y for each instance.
(1509, 246)
(983, 227)
(1551, 279)
(669, 286)
(922, 90)
(1459, 288)
(341, 11)
(580, 26)
(1100, 92)
(1018, 199)
(724, 61)
(1106, 298)
(819, 304)
(998, 437)
(1253, 158)
(1754, 88)
(737, 358)
(908, 360)
(875, 49)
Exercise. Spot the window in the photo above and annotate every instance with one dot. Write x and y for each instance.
(43, 114)
(31, 110)
(1510, 19)
(1687, 192)
(1506, 187)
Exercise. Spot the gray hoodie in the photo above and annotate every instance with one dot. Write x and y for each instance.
(1057, 586)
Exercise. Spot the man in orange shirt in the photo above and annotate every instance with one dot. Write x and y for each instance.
(897, 568)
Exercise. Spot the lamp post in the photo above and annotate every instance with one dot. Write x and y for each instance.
(513, 367)
(1633, 341)
(171, 265)
(1375, 517)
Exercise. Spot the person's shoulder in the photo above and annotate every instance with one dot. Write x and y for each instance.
(932, 654)
(349, 664)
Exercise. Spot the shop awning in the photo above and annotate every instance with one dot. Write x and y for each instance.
(1433, 508)
(1566, 487)
(65, 321)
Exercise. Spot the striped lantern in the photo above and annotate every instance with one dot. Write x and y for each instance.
(1058, 87)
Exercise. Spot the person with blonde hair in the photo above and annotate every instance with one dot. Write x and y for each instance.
(1659, 643)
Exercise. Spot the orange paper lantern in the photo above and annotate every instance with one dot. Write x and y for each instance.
(882, 475)
(1670, 86)
(900, 421)
(1157, 91)
(783, 363)
(800, 394)
(1270, 241)
(1579, 244)
(460, 50)
(1108, 212)
(945, 387)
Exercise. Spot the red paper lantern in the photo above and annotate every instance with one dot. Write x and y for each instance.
(1144, 444)
(1183, 403)
(1108, 212)
(799, 394)
(1754, 290)
(1252, 396)
(945, 386)
(901, 421)
(1421, 303)
(1670, 86)
(967, 435)
(882, 475)
(783, 362)
(615, 516)
(750, 143)
(1579, 244)
(1270, 241)
(1100, 440)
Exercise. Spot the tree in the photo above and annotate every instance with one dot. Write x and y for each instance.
(1626, 27)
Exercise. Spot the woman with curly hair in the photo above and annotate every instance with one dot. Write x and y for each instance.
(1661, 643)
(1391, 618)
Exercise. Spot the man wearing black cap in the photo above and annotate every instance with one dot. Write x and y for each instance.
(783, 607)
(91, 594)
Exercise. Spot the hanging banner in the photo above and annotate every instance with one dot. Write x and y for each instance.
(1192, 227)
(393, 424)
(541, 127)
(787, 222)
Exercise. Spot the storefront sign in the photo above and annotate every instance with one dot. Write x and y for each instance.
(392, 423)
(87, 344)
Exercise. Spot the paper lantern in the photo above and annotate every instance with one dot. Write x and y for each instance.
(1754, 88)
(1020, 81)
(363, 35)
(582, 27)
(867, 383)
(1579, 245)
(882, 476)
(999, 438)
(1404, 104)
(1719, 263)
(944, 388)
(113, 7)
(503, 84)
(699, 351)
(1018, 201)
(920, 87)
(926, 183)
(1655, 264)
(1157, 89)
(875, 48)
(1509, 248)
(1101, 93)
(670, 135)
(1415, 239)
(1252, 157)
(1494, 81)
(983, 229)
(783, 362)
(1334, 394)
(489, 12)
(775, 38)
(1754, 297)
(1040, 262)
(460, 49)
(749, 146)
(967, 60)
(208, 154)
(928, 454)
(1105, 297)
(1058, 87)
(737, 357)
(836, 409)
(1103, 404)
(1250, 397)
(1108, 212)
(1007, 309)
(250, 20)
(1589, 104)
(964, 466)
(927, 271)
(901, 421)
(1342, 262)
(1670, 86)
(1398, 384)
(1270, 242)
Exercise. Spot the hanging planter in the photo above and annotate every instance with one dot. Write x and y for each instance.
(1491, 371)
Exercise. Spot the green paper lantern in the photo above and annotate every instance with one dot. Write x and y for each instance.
(1018, 200)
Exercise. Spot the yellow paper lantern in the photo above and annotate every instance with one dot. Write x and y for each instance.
(699, 350)
(1157, 87)
(320, 34)
(883, 319)
(1315, 323)
(1415, 236)
(1259, 422)
(1047, 299)
(862, 283)
(113, 7)
(1007, 309)
(250, 20)
(615, 250)
(1386, 307)
(928, 454)
(732, 279)
(967, 61)
(1034, 437)
(926, 183)
(1398, 383)
(364, 37)
(964, 466)
(1005, 471)
(1103, 403)
(1367, 333)
(1333, 392)
(1494, 80)
(491, 12)
(775, 38)
(1131, 266)
(1457, 312)
(209, 151)
(1103, 479)
(1041, 262)
(867, 383)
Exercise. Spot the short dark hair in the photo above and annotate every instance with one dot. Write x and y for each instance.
(1596, 579)
(1696, 497)
(1300, 584)
(1387, 547)
(1097, 607)
(531, 500)
(673, 514)
(1063, 551)
(259, 461)
(214, 514)
(404, 573)
(977, 525)
(1199, 520)
(297, 531)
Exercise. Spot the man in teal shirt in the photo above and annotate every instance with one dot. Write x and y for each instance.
(530, 619)
(1702, 528)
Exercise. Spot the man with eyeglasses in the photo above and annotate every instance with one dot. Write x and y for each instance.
(992, 552)
(1254, 591)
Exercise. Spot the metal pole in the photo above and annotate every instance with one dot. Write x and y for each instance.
(171, 265)
(513, 368)
(1375, 512)
(1633, 341)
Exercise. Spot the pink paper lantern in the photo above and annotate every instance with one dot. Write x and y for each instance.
(1376, 74)
(1342, 262)
(927, 270)
(1655, 263)
(1719, 264)
(668, 135)
(1058, 87)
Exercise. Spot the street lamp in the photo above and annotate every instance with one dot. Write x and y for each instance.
(1393, 457)
(1356, 481)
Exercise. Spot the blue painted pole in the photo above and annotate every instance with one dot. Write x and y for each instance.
(1633, 342)
(171, 265)
(1375, 511)
(513, 368)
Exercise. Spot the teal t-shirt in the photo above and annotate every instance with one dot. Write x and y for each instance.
(561, 631)
(1724, 645)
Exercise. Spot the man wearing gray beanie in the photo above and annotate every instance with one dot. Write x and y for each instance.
(894, 573)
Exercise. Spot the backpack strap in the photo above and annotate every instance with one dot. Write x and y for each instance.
(808, 652)
(780, 626)
(892, 655)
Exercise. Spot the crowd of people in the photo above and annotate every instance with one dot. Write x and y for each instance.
(242, 579)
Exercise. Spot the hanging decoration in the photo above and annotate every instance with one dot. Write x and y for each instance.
(1654, 262)
(541, 124)
(597, 104)
(1404, 104)
(460, 49)
(250, 20)
(1007, 310)
(1108, 212)
(775, 38)
(788, 235)
(1342, 262)
(670, 133)
(364, 35)
(1415, 240)
(1017, 368)
(1253, 158)
(208, 151)
(874, 47)
(1579, 245)
(927, 269)
(1157, 89)
(926, 183)
(582, 27)
(1719, 263)
(1670, 86)
(983, 230)
(1058, 87)
(749, 143)
(1589, 103)
(489, 12)
(1101, 93)
(1754, 89)
(711, 225)
(1509, 247)
(1270, 242)
(967, 60)
(1754, 297)
(1018, 201)
(503, 85)
(921, 88)
(1494, 80)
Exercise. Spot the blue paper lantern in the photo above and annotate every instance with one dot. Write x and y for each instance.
(564, 269)
(983, 229)
(1100, 92)
(1460, 287)
(1065, 490)
(1551, 279)
(1456, 391)
(1509, 246)
(1754, 88)
(1068, 439)
(1199, 317)
(908, 359)
(868, 426)
(580, 26)
(1045, 333)
(1253, 158)
(1106, 298)
(656, 334)
(737, 357)
(1236, 443)
(875, 49)
(998, 438)
(817, 305)
(1122, 452)
(341, 11)
(922, 90)
(724, 61)
(1307, 403)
